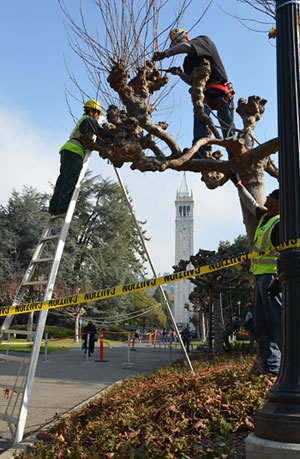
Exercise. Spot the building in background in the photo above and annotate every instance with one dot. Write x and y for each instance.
(184, 248)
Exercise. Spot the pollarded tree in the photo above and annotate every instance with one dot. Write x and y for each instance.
(199, 308)
(199, 296)
(263, 6)
(117, 58)
(215, 283)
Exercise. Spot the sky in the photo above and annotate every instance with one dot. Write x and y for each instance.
(35, 119)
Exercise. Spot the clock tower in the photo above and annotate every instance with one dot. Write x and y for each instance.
(184, 248)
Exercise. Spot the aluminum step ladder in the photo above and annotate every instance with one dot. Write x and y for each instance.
(18, 393)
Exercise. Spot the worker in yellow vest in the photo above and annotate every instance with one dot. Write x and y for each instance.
(72, 155)
(267, 297)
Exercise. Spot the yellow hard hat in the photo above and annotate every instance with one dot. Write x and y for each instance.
(92, 103)
(176, 34)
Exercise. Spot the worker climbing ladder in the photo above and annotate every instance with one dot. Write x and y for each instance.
(18, 394)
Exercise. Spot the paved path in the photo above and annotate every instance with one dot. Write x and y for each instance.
(67, 379)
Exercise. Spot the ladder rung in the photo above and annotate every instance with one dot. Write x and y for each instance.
(19, 332)
(14, 358)
(42, 282)
(50, 238)
(42, 260)
(12, 387)
(10, 419)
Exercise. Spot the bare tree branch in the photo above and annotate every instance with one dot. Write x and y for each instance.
(115, 58)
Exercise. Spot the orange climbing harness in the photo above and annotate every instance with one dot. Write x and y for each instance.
(225, 88)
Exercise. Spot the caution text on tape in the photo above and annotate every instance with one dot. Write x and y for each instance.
(143, 285)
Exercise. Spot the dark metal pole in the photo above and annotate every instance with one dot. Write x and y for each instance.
(279, 420)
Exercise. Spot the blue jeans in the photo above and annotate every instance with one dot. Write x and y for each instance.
(267, 323)
(225, 115)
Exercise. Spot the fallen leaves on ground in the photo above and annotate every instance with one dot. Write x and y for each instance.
(169, 414)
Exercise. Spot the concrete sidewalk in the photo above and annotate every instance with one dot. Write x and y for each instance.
(67, 379)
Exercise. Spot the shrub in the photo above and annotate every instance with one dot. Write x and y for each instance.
(59, 332)
(119, 334)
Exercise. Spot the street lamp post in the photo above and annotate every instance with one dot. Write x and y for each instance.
(279, 420)
(238, 303)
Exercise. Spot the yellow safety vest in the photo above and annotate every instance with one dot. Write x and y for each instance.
(74, 144)
(265, 264)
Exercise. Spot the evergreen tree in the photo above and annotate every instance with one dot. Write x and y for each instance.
(103, 248)
(155, 317)
(20, 226)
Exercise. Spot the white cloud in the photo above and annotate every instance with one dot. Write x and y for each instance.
(27, 156)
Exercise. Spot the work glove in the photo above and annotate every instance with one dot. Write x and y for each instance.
(175, 70)
(158, 56)
(275, 287)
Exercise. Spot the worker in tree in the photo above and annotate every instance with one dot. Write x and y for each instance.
(267, 295)
(72, 154)
(218, 92)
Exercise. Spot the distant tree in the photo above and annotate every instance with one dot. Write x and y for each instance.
(102, 249)
(21, 222)
(20, 226)
(158, 297)
(77, 312)
(216, 282)
(245, 291)
(199, 308)
(155, 316)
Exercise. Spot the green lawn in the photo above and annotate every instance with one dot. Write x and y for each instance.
(53, 346)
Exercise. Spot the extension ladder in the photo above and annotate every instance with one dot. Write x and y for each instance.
(18, 394)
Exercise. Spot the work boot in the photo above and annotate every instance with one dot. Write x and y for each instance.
(52, 211)
(61, 211)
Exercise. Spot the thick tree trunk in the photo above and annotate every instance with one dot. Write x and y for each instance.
(76, 337)
(218, 325)
(253, 180)
(203, 325)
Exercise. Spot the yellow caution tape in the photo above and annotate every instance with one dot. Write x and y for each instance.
(143, 285)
